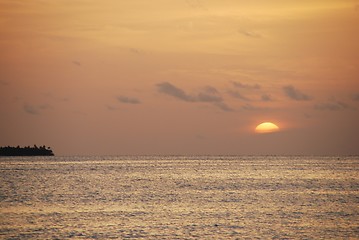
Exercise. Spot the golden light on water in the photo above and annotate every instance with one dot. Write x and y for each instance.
(266, 127)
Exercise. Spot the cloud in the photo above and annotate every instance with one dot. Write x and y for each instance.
(332, 106)
(250, 34)
(250, 107)
(136, 51)
(4, 83)
(171, 90)
(206, 95)
(266, 98)
(246, 86)
(35, 110)
(295, 94)
(209, 94)
(31, 109)
(355, 97)
(128, 100)
(44, 107)
(111, 108)
(196, 4)
(200, 137)
(77, 63)
(238, 95)
(223, 106)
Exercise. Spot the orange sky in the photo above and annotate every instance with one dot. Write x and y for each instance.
(180, 76)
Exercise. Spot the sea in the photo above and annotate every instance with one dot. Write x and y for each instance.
(179, 197)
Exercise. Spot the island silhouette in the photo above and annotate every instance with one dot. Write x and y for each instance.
(26, 151)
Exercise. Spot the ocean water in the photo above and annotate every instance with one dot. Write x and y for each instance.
(179, 197)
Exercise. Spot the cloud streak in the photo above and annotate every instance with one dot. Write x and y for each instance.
(355, 97)
(4, 83)
(238, 95)
(77, 63)
(35, 110)
(223, 106)
(195, 4)
(31, 109)
(246, 86)
(250, 107)
(250, 34)
(332, 106)
(295, 94)
(266, 98)
(128, 100)
(206, 95)
(171, 90)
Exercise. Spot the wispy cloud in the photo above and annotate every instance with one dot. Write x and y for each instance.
(137, 51)
(206, 95)
(171, 90)
(332, 106)
(44, 106)
(250, 107)
(65, 99)
(223, 106)
(355, 97)
(209, 94)
(77, 63)
(35, 110)
(238, 95)
(195, 4)
(295, 94)
(245, 86)
(4, 83)
(250, 34)
(128, 100)
(266, 98)
(111, 108)
(31, 109)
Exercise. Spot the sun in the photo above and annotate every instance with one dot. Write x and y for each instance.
(266, 127)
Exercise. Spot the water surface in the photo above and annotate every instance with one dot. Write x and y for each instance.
(178, 197)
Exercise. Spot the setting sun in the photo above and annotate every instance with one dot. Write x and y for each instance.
(266, 127)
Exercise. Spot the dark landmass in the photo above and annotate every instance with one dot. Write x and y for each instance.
(26, 151)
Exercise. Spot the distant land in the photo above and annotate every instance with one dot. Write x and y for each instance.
(26, 151)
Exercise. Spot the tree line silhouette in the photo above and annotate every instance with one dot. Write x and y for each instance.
(26, 151)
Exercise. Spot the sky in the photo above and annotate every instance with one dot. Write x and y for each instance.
(111, 77)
